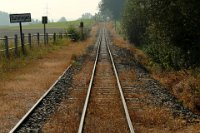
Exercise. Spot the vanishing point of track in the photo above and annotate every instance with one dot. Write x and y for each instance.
(105, 109)
(104, 102)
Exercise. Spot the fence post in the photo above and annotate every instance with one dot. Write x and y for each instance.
(29, 40)
(54, 37)
(23, 37)
(6, 46)
(60, 35)
(38, 38)
(47, 38)
(16, 44)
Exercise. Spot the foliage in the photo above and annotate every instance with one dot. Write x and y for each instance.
(77, 33)
(112, 8)
(168, 56)
(86, 16)
(62, 19)
(74, 33)
(170, 28)
(134, 21)
(179, 20)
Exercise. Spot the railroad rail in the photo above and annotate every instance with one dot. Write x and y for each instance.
(103, 43)
(18, 125)
(109, 95)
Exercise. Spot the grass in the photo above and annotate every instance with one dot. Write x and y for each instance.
(36, 52)
(62, 25)
(26, 78)
(184, 84)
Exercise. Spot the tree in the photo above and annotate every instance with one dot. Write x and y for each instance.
(62, 19)
(172, 26)
(179, 21)
(134, 21)
(112, 8)
(86, 16)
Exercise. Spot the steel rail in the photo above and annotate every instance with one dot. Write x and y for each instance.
(37, 103)
(120, 89)
(80, 130)
(81, 125)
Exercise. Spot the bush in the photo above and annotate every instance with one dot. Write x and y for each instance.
(134, 22)
(74, 33)
(165, 25)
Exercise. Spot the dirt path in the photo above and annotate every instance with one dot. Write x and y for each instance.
(24, 86)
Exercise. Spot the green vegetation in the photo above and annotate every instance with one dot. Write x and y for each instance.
(111, 8)
(167, 30)
(62, 25)
(36, 51)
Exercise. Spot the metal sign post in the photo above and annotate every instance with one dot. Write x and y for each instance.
(22, 37)
(81, 26)
(19, 18)
(45, 21)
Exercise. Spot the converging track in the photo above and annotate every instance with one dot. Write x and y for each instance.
(105, 109)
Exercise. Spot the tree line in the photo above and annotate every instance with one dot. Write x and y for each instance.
(167, 30)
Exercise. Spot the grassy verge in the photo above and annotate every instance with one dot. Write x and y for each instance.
(183, 84)
(34, 53)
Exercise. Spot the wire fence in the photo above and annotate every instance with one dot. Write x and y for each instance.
(13, 44)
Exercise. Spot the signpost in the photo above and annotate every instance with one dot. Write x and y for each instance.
(81, 26)
(19, 18)
(45, 21)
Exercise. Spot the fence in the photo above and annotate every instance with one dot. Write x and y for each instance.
(12, 43)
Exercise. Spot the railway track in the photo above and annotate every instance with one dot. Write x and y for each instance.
(105, 108)
(32, 120)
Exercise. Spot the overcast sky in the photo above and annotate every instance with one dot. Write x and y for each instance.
(71, 9)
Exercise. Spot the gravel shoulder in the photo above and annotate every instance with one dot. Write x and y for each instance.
(151, 105)
(23, 87)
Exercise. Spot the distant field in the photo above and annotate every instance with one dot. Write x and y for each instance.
(34, 28)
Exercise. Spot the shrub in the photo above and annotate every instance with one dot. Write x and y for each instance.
(74, 33)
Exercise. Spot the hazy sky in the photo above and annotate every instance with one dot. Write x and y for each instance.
(71, 9)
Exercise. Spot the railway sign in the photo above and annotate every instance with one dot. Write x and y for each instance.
(81, 24)
(19, 18)
(44, 20)
(16, 18)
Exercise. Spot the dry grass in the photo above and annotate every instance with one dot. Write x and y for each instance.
(155, 120)
(184, 86)
(105, 112)
(67, 117)
(23, 86)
